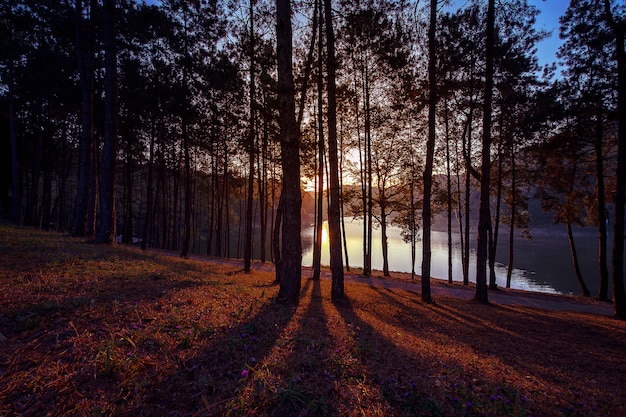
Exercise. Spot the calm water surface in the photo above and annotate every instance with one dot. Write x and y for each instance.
(541, 264)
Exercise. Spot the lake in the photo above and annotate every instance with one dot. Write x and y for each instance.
(542, 264)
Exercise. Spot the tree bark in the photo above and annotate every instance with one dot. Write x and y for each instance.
(291, 246)
(149, 192)
(106, 230)
(430, 153)
(317, 245)
(602, 232)
(84, 52)
(509, 271)
(484, 220)
(334, 225)
(619, 29)
(572, 247)
(251, 136)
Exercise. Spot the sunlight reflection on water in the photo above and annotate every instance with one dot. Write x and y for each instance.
(400, 257)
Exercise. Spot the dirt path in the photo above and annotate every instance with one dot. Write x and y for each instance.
(401, 281)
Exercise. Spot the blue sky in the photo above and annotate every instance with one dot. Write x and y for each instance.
(551, 10)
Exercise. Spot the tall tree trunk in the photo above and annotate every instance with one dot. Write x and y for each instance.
(106, 230)
(84, 52)
(188, 191)
(262, 183)
(334, 225)
(619, 297)
(46, 197)
(94, 183)
(367, 267)
(484, 220)
(602, 232)
(291, 246)
(149, 189)
(572, 247)
(61, 215)
(509, 271)
(127, 227)
(430, 153)
(317, 244)
(383, 234)
(493, 240)
(449, 190)
(467, 150)
(15, 184)
(251, 138)
(30, 214)
(343, 220)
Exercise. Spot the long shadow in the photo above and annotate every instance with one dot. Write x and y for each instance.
(209, 362)
(402, 379)
(304, 386)
(535, 356)
(212, 377)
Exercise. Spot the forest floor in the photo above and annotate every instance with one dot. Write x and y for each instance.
(89, 330)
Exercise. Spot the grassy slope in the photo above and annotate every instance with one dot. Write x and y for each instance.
(91, 330)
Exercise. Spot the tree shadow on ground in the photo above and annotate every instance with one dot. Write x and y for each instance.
(525, 350)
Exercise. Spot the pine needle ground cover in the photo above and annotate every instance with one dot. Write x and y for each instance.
(89, 330)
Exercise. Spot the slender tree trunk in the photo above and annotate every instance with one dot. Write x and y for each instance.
(430, 153)
(317, 245)
(127, 227)
(619, 297)
(467, 144)
(262, 184)
(413, 207)
(188, 192)
(251, 150)
(367, 269)
(484, 220)
(291, 269)
(572, 247)
(92, 205)
(334, 226)
(343, 220)
(226, 198)
(493, 241)
(383, 234)
(84, 52)
(61, 215)
(213, 197)
(602, 232)
(30, 214)
(46, 197)
(449, 189)
(149, 190)
(509, 271)
(15, 184)
(106, 230)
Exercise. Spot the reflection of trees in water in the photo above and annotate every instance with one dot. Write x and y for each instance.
(542, 264)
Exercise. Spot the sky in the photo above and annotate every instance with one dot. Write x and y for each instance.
(551, 10)
(548, 19)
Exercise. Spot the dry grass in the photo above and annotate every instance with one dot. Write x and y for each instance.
(90, 331)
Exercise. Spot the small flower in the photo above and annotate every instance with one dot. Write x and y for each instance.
(469, 404)
(244, 373)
